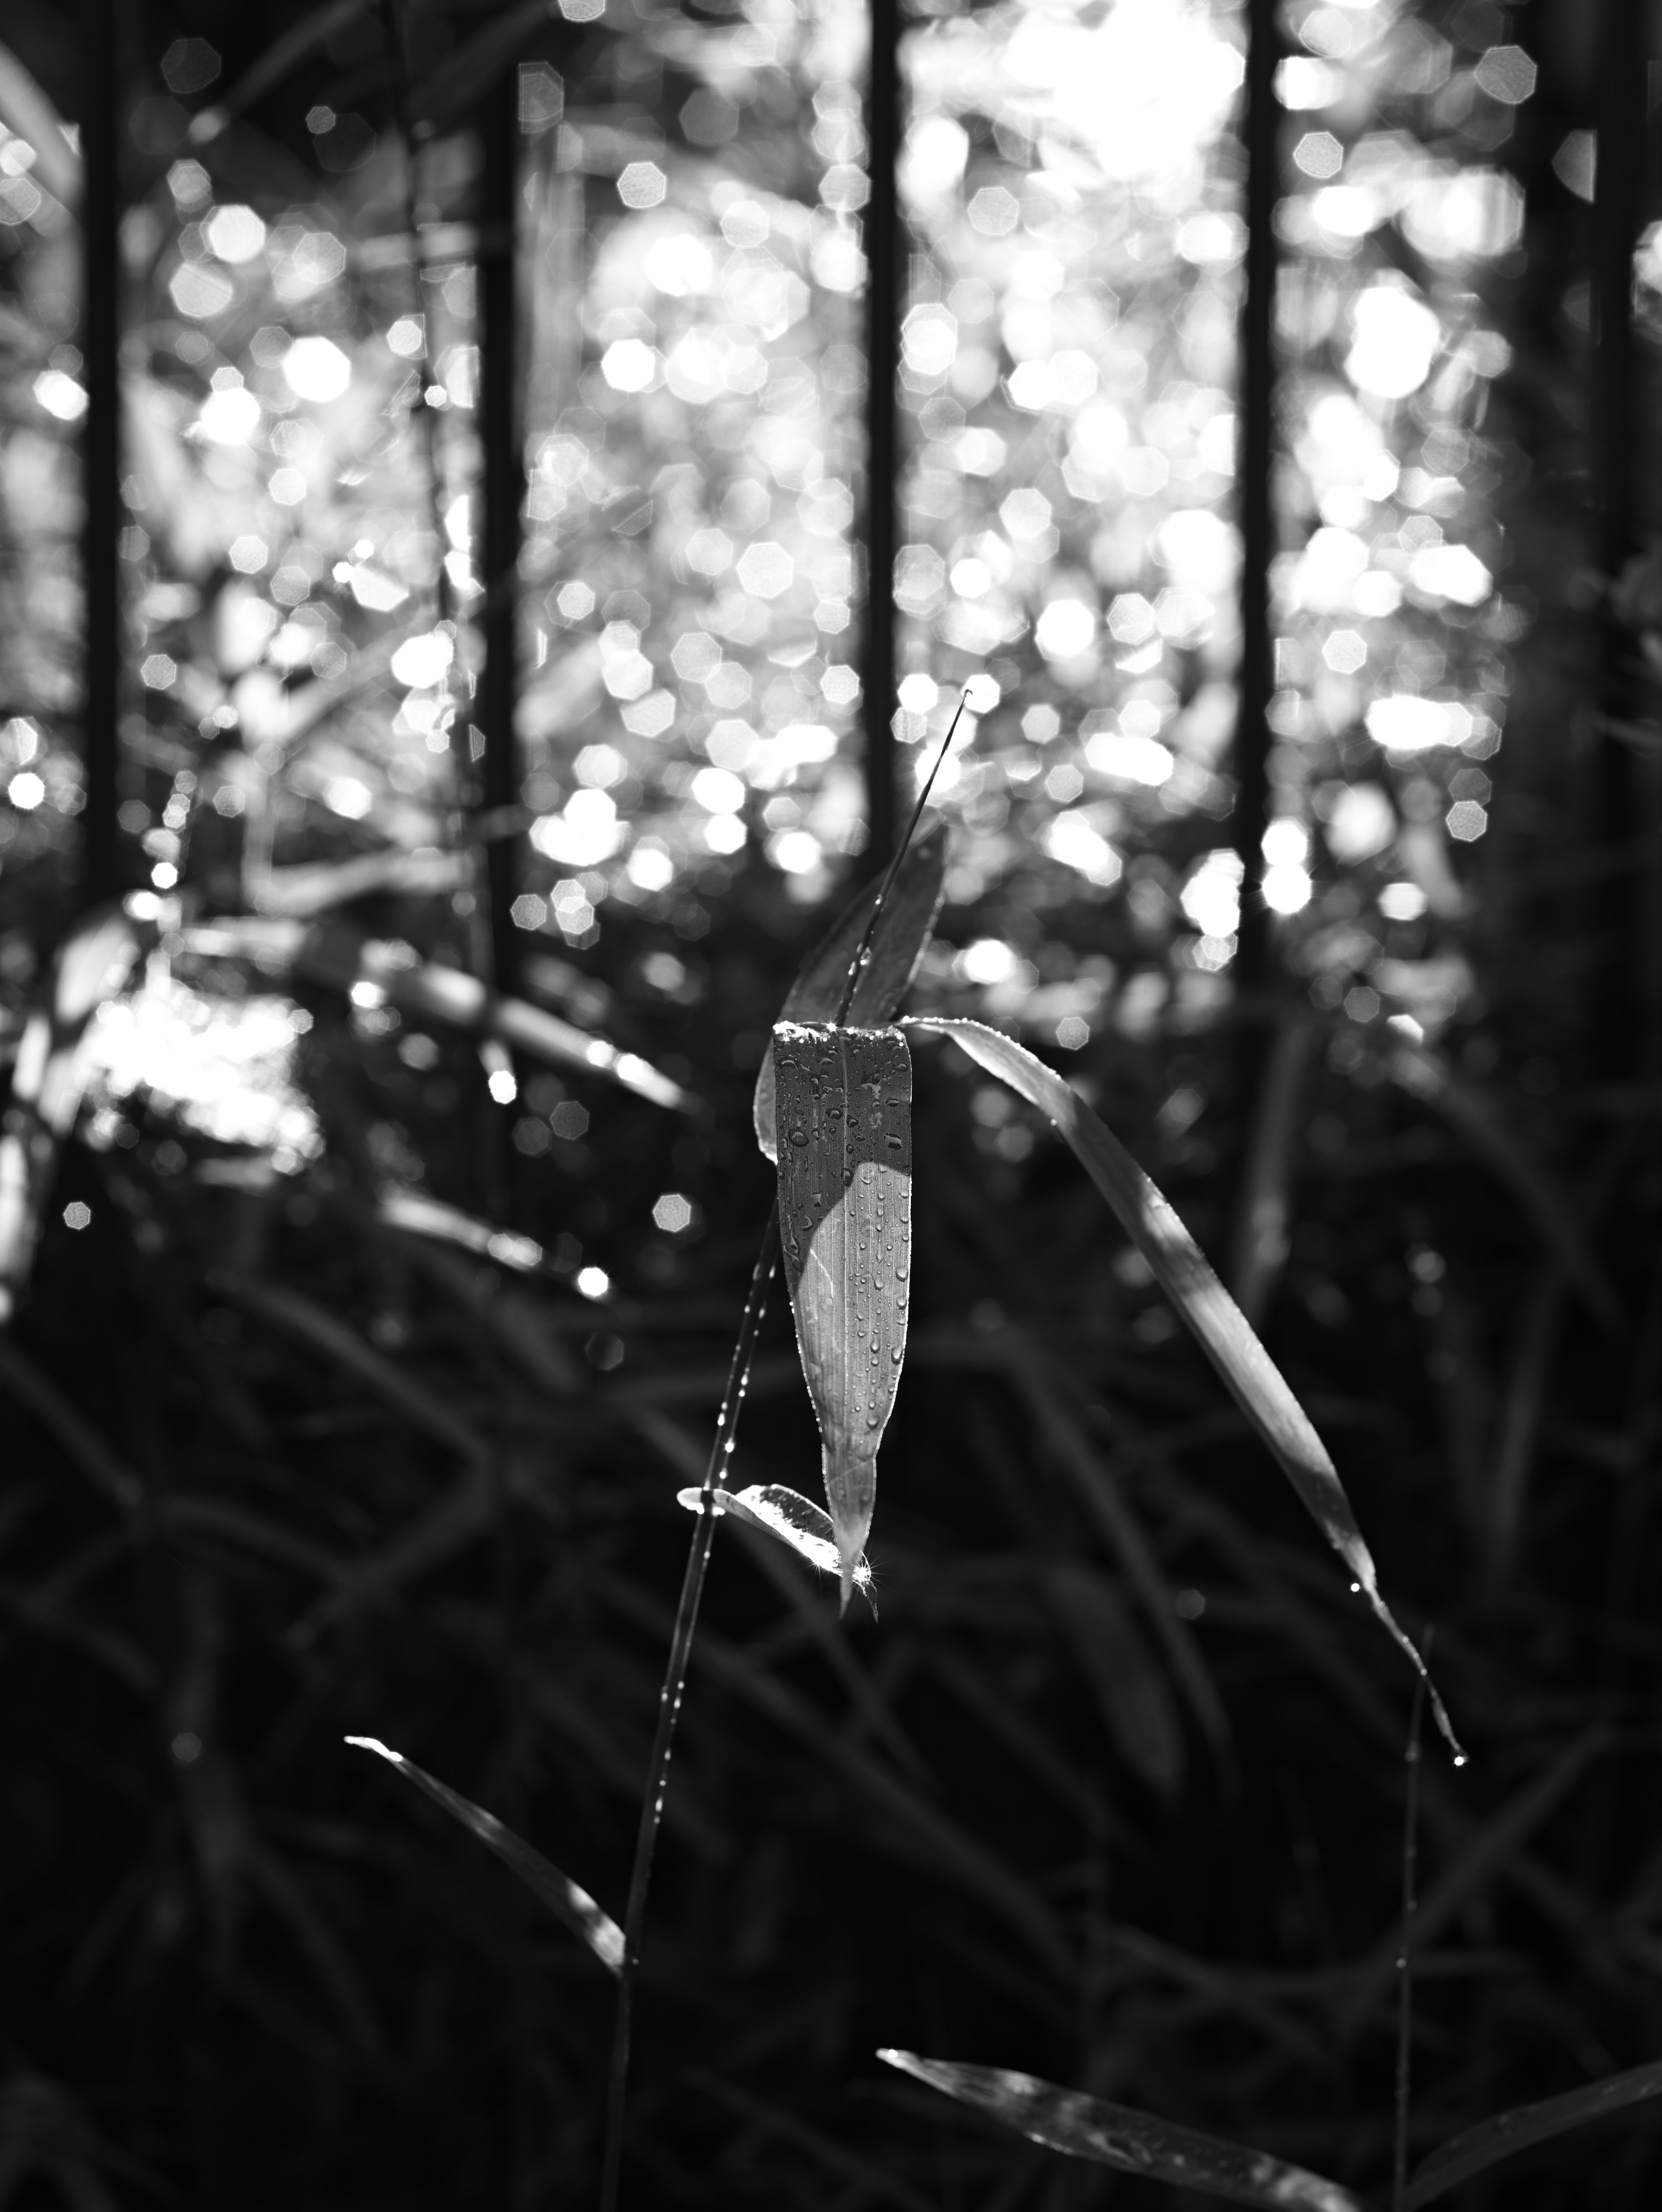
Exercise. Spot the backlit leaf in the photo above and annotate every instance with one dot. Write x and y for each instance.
(794, 1521)
(1134, 2142)
(845, 1167)
(903, 931)
(562, 1897)
(1183, 1273)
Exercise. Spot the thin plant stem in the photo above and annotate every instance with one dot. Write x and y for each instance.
(857, 966)
(669, 1702)
(698, 1567)
(1405, 1952)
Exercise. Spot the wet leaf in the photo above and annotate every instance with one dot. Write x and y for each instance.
(562, 1897)
(1508, 2132)
(1132, 2141)
(845, 1165)
(793, 1520)
(902, 932)
(1183, 1273)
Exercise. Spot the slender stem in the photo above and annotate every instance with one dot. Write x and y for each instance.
(1405, 1954)
(693, 1581)
(669, 1702)
(857, 966)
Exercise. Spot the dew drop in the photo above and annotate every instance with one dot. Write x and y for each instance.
(1355, 1589)
(1460, 1760)
(798, 1137)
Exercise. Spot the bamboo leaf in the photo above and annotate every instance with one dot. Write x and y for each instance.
(1184, 1274)
(903, 931)
(1131, 2142)
(562, 1897)
(1508, 2132)
(785, 1514)
(845, 1167)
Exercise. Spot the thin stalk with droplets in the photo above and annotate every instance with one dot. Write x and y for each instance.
(669, 1702)
(698, 1567)
(1405, 1955)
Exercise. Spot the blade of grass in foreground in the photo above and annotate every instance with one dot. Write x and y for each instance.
(562, 1897)
(1132, 2141)
(1480, 2147)
(1183, 1272)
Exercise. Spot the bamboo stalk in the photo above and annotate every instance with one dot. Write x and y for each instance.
(1255, 464)
(884, 272)
(102, 516)
(1618, 192)
(504, 489)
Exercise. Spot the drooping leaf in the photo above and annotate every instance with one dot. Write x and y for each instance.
(562, 1897)
(1216, 1321)
(902, 932)
(793, 1520)
(845, 1167)
(1132, 2141)
(1463, 2156)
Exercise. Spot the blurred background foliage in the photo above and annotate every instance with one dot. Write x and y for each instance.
(365, 1320)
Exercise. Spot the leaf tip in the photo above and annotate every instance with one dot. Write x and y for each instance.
(371, 1743)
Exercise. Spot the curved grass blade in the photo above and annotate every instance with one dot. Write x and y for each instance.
(1184, 1274)
(1484, 2146)
(562, 1897)
(1132, 2141)
(845, 1204)
(903, 931)
(792, 1520)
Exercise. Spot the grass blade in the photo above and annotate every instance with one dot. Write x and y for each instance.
(1131, 2142)
(903, 931)
(1184, 1274)
(792, 1520)
(562, 1897)
(844, 1102)
(1510, 2132)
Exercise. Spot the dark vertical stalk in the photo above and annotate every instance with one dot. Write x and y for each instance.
(504, 489)
(1616, 209)
(99, 336)
(884, 267)
(1255, 463)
